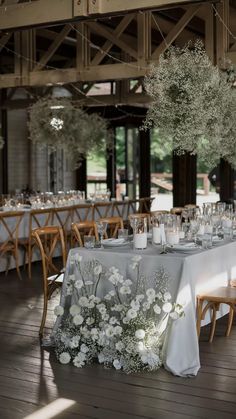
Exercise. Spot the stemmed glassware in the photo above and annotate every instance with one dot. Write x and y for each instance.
(101, 228)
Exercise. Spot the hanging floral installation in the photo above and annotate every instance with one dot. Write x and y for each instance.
(193, 104)
(60, 124)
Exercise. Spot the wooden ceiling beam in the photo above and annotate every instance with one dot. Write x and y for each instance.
(107, 34)
(40, 12)
(53, 47)
(116, 6)
(177, 29)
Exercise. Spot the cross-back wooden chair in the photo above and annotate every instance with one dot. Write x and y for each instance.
(113, 225)
(213, 300)
(48, 239)
(9, 233)
(80, 229)
(145, 204)
(177, 210)
(102, 210)
(83, 212)
(63, 217)
(38, 218)
(120, 209)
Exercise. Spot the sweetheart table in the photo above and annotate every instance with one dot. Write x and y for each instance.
(189, 274)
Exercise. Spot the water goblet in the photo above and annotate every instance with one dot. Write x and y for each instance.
(101, 228)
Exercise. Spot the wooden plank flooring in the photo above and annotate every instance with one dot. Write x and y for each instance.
(31, 378)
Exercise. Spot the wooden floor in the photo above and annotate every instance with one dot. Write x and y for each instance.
(31, 378)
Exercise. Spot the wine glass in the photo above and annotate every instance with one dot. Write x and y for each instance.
(101, 228)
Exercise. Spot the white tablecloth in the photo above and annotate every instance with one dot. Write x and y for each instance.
(190, 274)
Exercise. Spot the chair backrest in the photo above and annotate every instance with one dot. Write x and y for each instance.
(120, 209)
(47, 239)
(9, 229)
(80, 229)
(63, 217)
(113, 224)
(40, 218)
(145, 204)
(83, 212)
(102, 210)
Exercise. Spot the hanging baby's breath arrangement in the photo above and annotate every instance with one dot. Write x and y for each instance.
(60, 124)
(193, 104)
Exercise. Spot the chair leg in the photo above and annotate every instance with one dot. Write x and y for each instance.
(199, 316)
(230, 321)
(213, 322)
(43, 321)
(29, 262)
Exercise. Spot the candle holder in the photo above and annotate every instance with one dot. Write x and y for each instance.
(140, 232)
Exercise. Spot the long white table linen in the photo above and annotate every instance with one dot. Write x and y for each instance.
(189, 274)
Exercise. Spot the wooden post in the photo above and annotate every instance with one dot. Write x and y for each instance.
(145, 171)
(226, 181)
(111, 168)
(4, 152)
(81, 177)
(184, 179)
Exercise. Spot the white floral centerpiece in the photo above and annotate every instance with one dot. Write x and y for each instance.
(193, 104)
(125, 328)
(59, 123)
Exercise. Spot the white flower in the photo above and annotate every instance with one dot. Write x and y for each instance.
(64, 358)
(79, 284)
(140, 346)
(84, 348)
(116, 278)
(131, 314)
(125, 320)
(90, 321)
(77, 363)
(151, 293)
(167, 307)
(112, 293)
(109, 331)
(174, 315)
(88, 283)
(157, 309)
(101, 358)
(74, 309)
(167, 296)
(128, 282)
(78, 319)
(118, 330)
(135, 305)
(129, 348)
(140, 334)
(101, 308)
(125, 290)
(94, 331)
(85, 332)
(107, 297)
(117, 364)
(97, 270)
(83, 302)
(59, 310)
(74, 343)
(113, 320)
(120, 345)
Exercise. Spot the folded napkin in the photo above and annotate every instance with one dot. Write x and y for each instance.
(114, 241)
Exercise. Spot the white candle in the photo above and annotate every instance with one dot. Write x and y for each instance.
(181, 234)
(163, 234)
(140, 241)
(172, 238)
(156, 235)
(201, 230)
(227, 223)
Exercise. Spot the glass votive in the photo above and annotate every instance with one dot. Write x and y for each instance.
(172, 237)
(227, 233)
(89, 242)
(156, 234)
(140, 240)
(206, 241)
(123, 233)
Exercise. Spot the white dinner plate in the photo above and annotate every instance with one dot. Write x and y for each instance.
(114, 242)
(185, 247)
